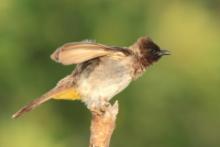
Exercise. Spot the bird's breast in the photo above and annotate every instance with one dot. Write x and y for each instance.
(104, 78)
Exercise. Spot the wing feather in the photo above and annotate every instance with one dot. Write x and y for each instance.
(75, 53)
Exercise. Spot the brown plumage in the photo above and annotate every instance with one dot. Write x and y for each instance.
(102, 71)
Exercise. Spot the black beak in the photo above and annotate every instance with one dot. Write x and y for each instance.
(164, 52)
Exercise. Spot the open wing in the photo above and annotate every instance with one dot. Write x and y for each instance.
(75, 53)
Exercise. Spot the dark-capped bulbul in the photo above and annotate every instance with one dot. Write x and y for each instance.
(101, 71)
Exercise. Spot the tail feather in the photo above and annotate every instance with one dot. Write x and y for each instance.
(36, 102)
(62, 92)
(33, 104)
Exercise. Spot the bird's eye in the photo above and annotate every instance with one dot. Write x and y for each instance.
(153, 50)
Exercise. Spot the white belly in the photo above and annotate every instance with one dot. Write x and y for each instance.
(106, 80)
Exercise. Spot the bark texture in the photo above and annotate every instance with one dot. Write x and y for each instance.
(102, 126)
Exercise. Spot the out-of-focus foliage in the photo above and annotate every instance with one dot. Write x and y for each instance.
(175, 104)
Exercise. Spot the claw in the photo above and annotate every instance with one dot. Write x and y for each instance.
(100, 109)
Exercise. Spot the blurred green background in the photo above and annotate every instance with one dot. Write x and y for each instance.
(175, 104)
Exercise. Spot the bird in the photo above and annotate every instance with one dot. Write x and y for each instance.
(101, 72)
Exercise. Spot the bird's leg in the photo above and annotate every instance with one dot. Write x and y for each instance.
(99, 107)
(96, 111)
(104, 106)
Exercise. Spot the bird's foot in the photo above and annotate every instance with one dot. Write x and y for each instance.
(100, 108)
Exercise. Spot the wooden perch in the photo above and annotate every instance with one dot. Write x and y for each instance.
(102, 126)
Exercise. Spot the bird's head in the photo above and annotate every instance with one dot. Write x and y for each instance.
(149, 51)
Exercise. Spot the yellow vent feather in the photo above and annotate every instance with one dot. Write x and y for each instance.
(68, 94)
